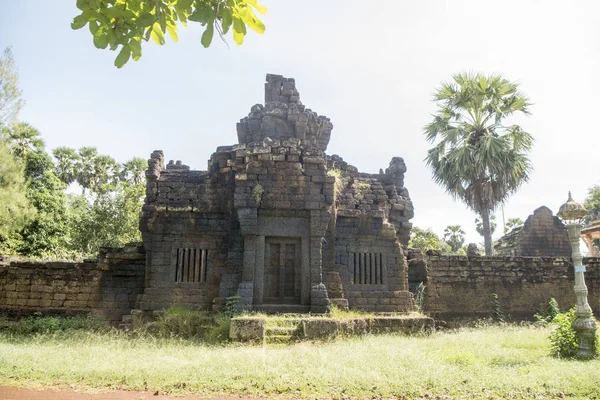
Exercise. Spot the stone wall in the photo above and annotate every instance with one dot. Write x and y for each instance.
(457, 286)
(107, 287)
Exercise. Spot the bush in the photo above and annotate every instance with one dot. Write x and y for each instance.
(564, 338)
(546, 315)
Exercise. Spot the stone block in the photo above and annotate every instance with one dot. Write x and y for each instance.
(320, 329)
(355, 326)
(247, 329)
(402, 324)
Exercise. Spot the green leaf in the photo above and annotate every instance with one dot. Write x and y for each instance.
(183, 4)
(208, 35)
(112, 39)
(226, 19)
(93, 27)
(157, 35)
(202, 14)
(146, 20)
(259, 7)
(181, 14)
(80, 20)
(135, 46)
(123, 57)
(253, 23)
(101, 41)
(238, 25)
(172, 29)
(162, 20)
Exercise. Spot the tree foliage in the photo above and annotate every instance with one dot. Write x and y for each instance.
(476, 157)
(47, 233)
(125, 24)
(15, 209)
(592, 203)
(454, 236)
(426, 239)
(23, 138)
(10, 94)
(514, 222)
(111, 218)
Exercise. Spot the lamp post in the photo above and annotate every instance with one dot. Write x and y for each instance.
(572, 213)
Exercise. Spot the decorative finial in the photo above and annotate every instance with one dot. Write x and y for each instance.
(571, 210)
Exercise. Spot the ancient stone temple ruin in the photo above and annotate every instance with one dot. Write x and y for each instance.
(542, 235)
(275, 222)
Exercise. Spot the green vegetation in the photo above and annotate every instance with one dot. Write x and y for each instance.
(38, 325)
(62, 225)
(426, 239)
(592, 204)
(546, 314)
(496, 362)
(477, 157)
(564, 337)
(454, 236)
(497, 314)
(341, 181)
(514, 223)
(124, 24)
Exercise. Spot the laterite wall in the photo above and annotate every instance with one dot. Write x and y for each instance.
(107, 287)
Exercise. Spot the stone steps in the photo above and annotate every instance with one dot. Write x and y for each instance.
(280, 331)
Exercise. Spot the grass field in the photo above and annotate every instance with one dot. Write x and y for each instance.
(489, 362)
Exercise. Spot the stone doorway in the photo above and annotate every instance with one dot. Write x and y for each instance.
(283, 271)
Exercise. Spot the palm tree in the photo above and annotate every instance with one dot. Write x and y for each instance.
(67, 160)
(23, 138)
(454, 236)
(133, 170)
(105, 172)
(476, 157)
(85, 168)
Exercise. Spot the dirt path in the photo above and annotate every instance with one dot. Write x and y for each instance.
(13, 393)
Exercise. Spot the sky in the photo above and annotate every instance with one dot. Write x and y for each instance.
(371, 67)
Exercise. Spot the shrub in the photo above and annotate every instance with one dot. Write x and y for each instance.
(546, 315)
(563, 337)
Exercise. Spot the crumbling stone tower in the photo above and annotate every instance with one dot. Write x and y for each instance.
(276, 221)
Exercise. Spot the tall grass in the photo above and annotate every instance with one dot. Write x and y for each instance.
(490, 362)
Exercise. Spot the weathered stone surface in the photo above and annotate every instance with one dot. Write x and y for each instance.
(408, 325)
(247, 329)
(542, 235)
(460, 287)
(320, 329)
(355, 327)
